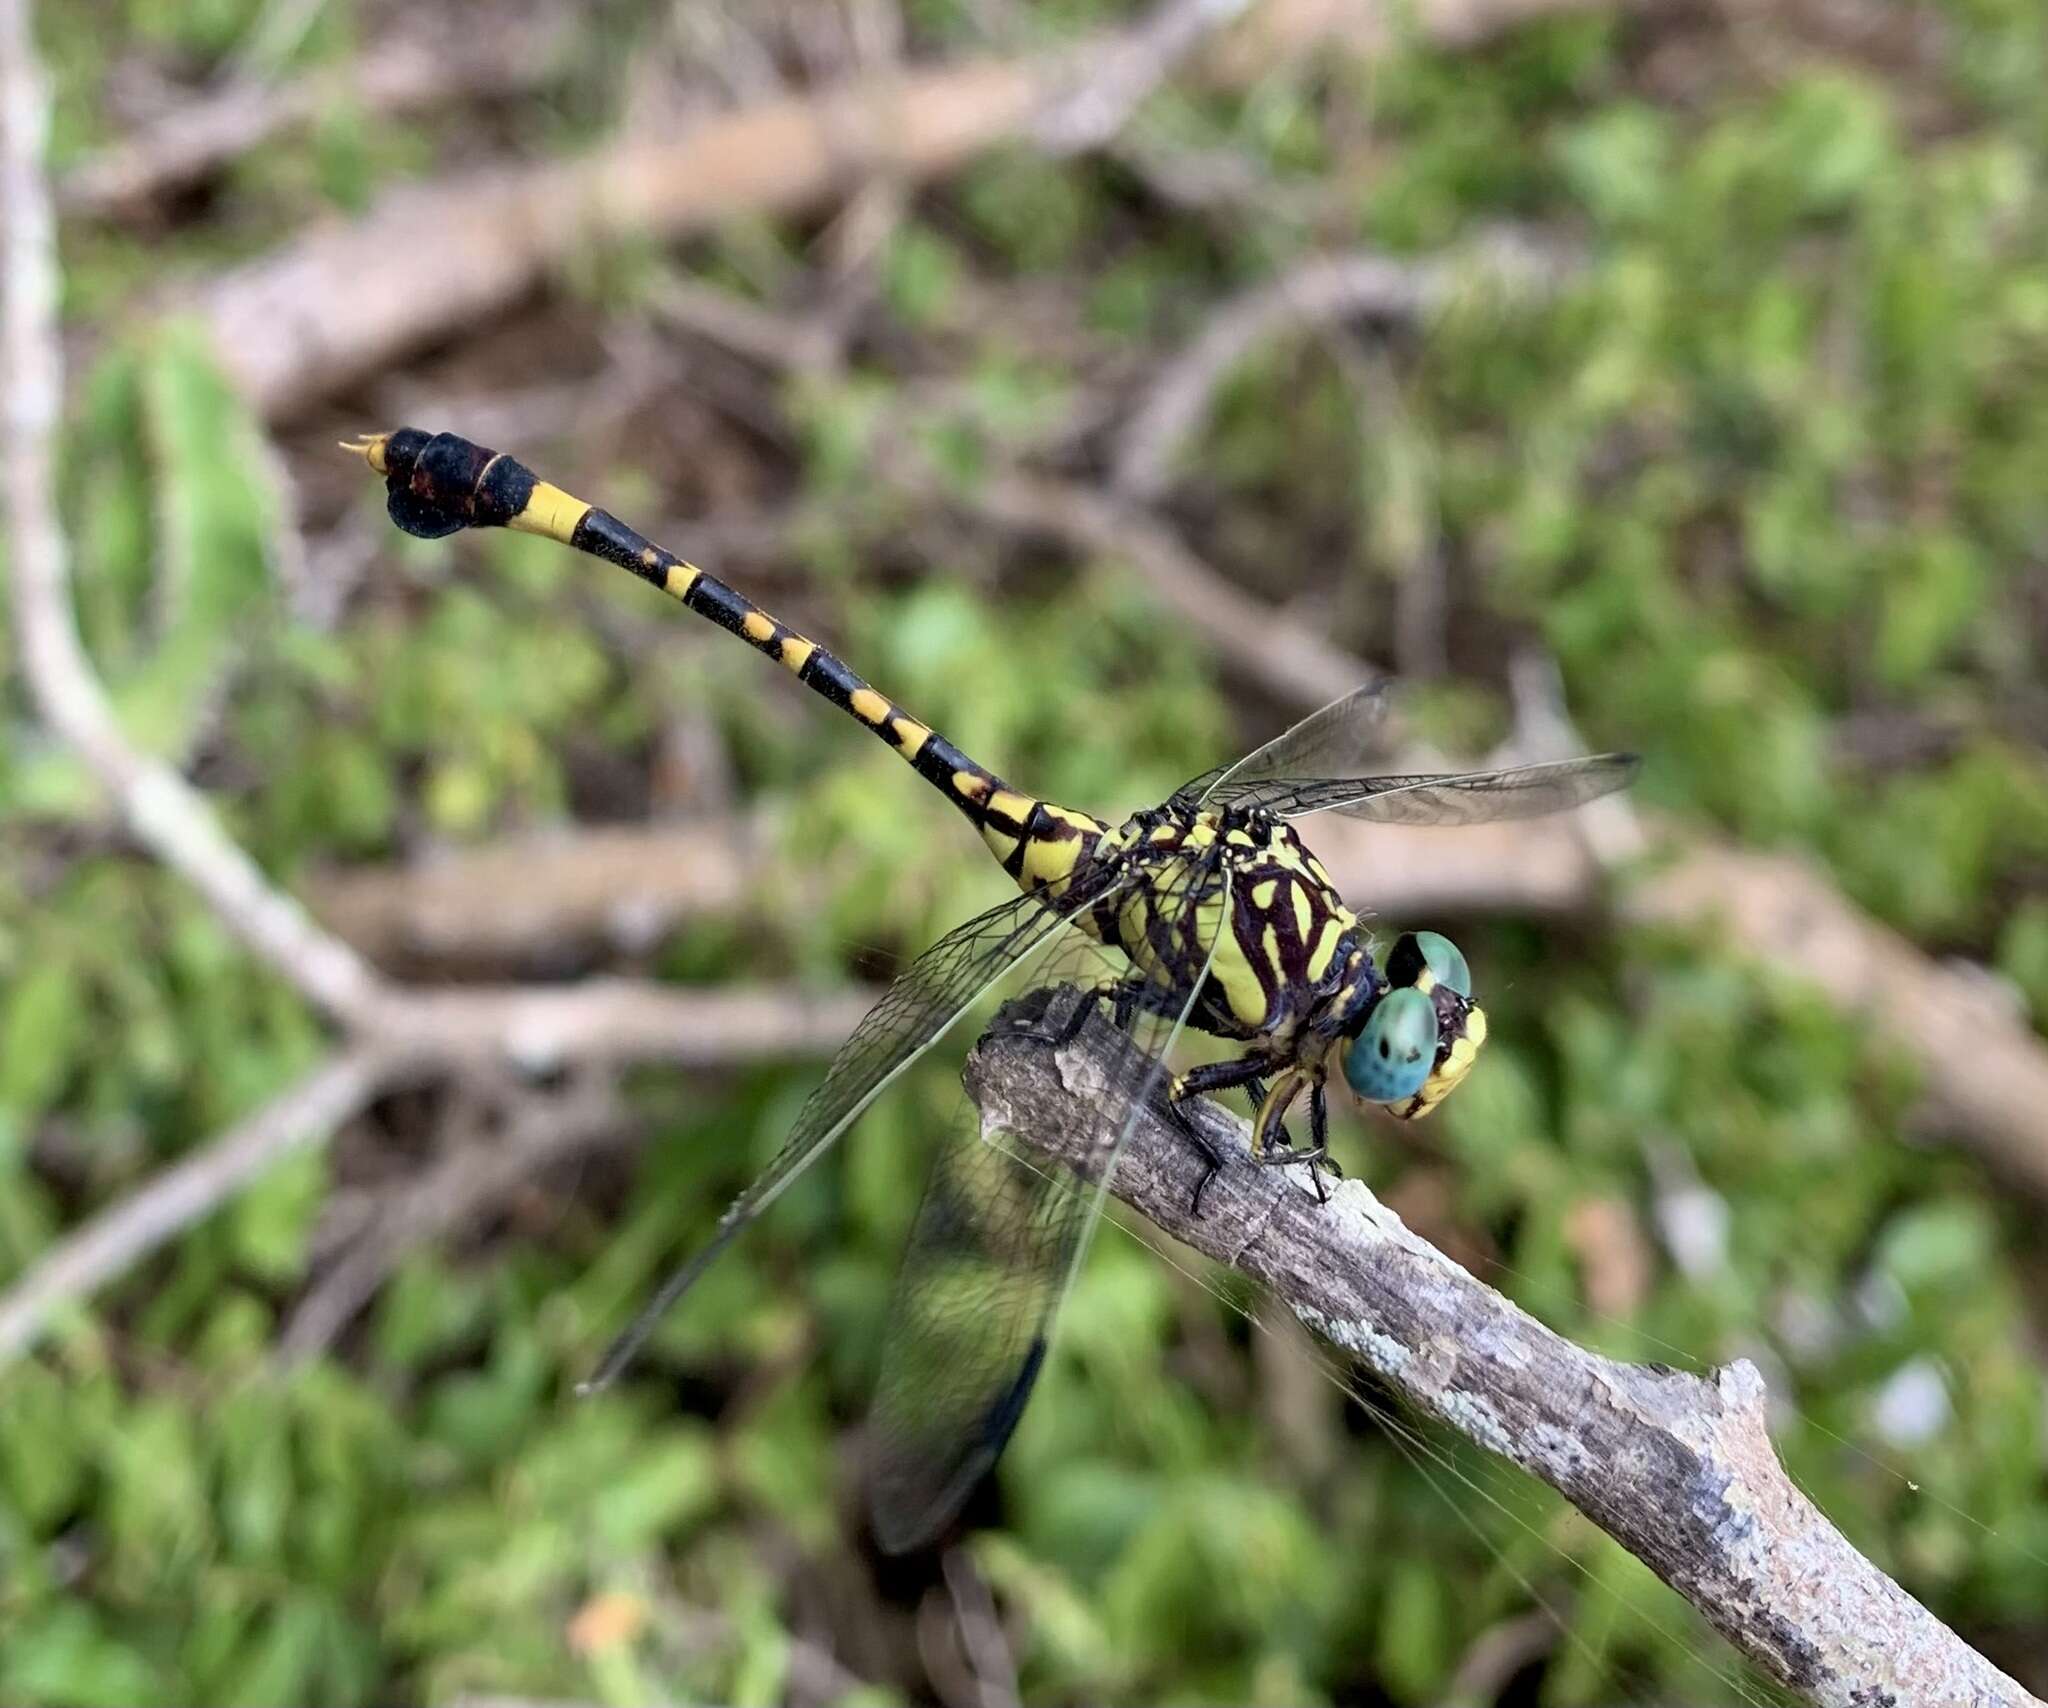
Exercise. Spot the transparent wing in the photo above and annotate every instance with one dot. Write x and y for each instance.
(1460, 797)
(916, 1011)
(1342, 740)
(999, 1238)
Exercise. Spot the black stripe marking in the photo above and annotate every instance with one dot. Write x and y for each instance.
(442, 483)
(829, 677)
(603, 535)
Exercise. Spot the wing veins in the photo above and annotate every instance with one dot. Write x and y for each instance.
(1444, 797)
(939, 1425)
(924, 1003)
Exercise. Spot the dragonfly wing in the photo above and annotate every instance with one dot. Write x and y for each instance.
(999, 1237)
(915, 1012)
(1451, 798)
(1340, 740)
(968, 1329)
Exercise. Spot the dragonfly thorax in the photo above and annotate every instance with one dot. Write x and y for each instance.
(1232, 900)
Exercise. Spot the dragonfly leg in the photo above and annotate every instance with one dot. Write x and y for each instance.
(1270, 1148)
(1319, 1158)
(1248, 1071)
(1123, 1001)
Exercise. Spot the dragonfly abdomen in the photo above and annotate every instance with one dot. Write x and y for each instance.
(441, 483)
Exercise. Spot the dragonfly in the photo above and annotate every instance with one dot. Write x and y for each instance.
(1211, 913)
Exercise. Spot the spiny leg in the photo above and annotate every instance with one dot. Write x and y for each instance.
(1248, 1071)
(1116, 992)
(1126, 997)
(1319, 1140)
(1271, 1119)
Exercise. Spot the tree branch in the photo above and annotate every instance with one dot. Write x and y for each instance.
(1677, 1468)
(1288, 659)
(604, 1022)
(303, 323)
(406, 74)
(169, 816)
(547, 895)
(1318, 292)
(120, 1237)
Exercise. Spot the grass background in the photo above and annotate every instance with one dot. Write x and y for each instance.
(1766, 482)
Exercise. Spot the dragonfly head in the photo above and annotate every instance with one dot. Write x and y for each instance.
(1421, 1037)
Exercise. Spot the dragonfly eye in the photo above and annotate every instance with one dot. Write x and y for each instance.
(1391, 1059)
(1417, 952)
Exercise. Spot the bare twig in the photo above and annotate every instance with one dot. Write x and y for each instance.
(300, 324)
(115, 1241)
(1113, 87)
(297, 325)
(1286, 659)
(169, 817)
(390, 79)
(540, 1029)
(625, 885)
(463, 1184)
(1501, 1652)
(1677, 1468)
(979, 1631)
(1984, 1068)
(1507, 263)
(761, 334)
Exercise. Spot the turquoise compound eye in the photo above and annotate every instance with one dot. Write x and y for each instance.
(1416, 952)
(1392, 1057)
(1446, 960)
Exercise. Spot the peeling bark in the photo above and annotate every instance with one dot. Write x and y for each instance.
(1677, 1468)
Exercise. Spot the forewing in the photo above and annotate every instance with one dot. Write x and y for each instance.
(916, 1011)
(999, 1238)
(1343, 739)
(1460, 797)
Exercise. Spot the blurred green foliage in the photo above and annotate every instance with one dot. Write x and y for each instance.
(1764, 480)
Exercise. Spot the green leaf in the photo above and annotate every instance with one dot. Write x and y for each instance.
(62, 1657)
(42, 1030)
(271, 1222)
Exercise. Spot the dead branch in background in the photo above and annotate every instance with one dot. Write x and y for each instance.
(1287, 659)
(391, 1030)
(1677, 1468)
(490, 58)
(113, 1242)
(1321, 291)
(507, 902)
(1116, 83)
(299, 324)
(472, 1177)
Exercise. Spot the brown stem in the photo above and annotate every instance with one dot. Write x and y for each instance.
(1677, 1468)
